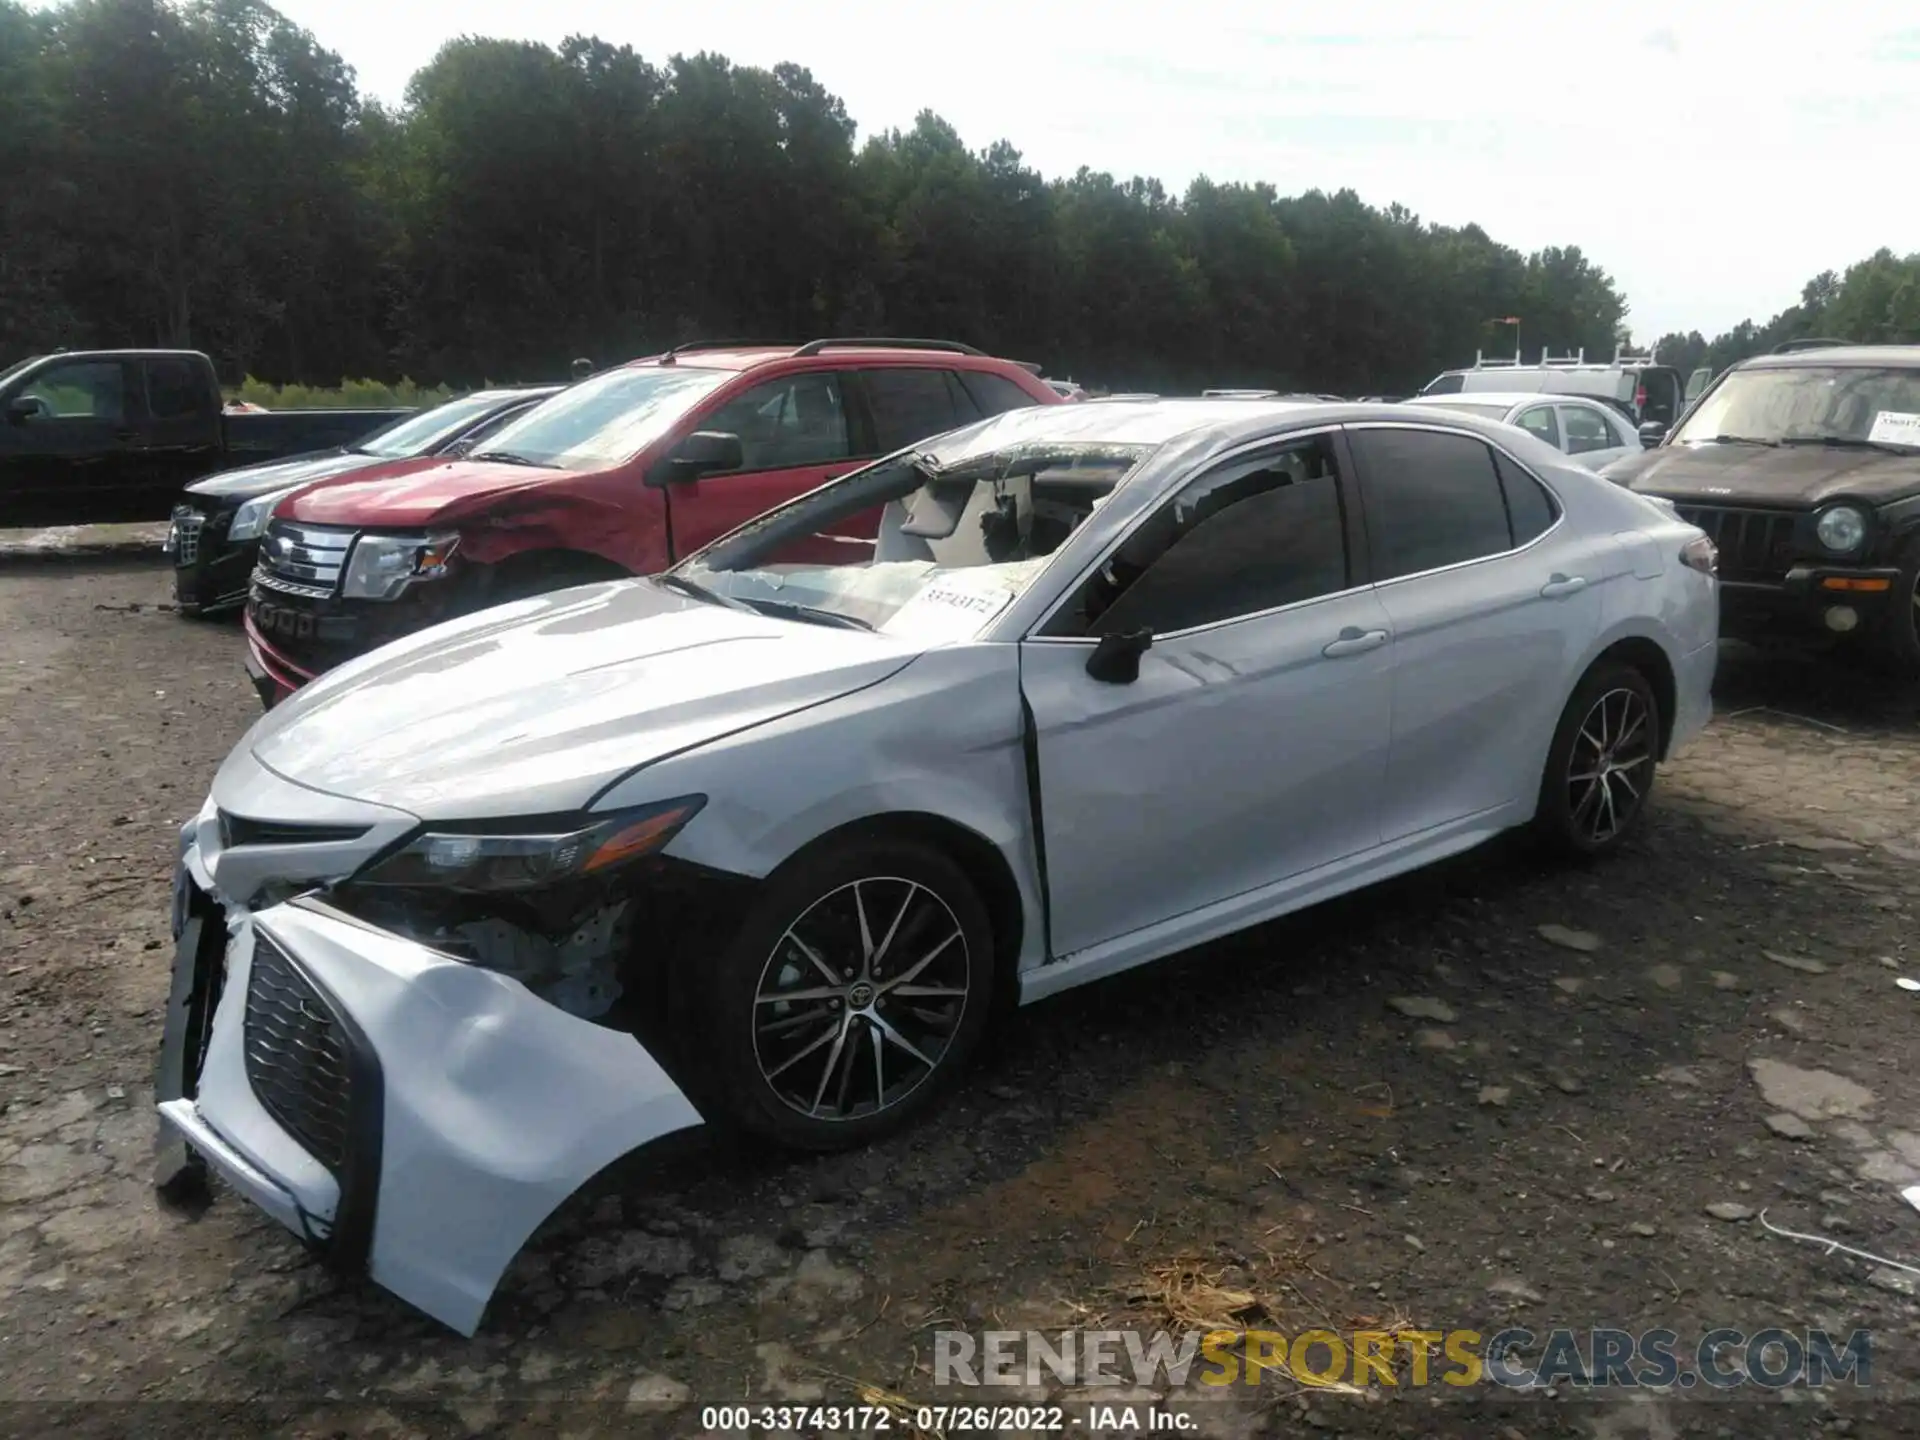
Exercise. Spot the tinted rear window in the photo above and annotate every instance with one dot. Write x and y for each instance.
(909, 405)
(1529, 507)
(1432, 500)
(995, 394)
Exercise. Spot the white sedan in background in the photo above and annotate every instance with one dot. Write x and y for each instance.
(766, 839)
(1588, 431)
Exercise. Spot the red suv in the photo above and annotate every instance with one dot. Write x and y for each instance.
(620, 474)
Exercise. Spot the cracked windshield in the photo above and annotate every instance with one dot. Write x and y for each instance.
(955, 543)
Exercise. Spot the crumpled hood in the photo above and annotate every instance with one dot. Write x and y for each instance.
(411, 493)
(537, 706)
(1793, 476)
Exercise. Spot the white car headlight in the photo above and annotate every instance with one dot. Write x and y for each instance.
(383, 565)
(251, 518)
(477, 863)
(1842, 529)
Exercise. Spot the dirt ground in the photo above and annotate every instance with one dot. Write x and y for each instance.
(1495, 1094)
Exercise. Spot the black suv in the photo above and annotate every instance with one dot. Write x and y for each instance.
(1804, 467)
(216, 530)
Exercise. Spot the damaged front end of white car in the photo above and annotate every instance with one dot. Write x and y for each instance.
(410, 1038)
(412, 1074)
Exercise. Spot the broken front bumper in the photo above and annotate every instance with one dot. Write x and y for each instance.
(406, 1114)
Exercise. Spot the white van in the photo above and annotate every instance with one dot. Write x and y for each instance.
(1637, 384)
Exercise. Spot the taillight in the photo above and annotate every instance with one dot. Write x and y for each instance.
(1701, 554)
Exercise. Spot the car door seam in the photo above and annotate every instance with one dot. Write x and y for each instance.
(1030, 752)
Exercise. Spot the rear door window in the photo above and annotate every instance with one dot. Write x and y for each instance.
(175, 390)
(994, 394)
(1433, 499)
(910, 405)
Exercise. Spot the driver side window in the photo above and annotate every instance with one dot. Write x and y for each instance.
(84, 390)
(787, 424)
(1251, 535)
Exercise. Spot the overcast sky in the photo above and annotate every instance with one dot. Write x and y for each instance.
(1711, 156)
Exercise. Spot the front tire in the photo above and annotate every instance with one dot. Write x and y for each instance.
(1899, 638)
(1600, 767)
(849, 999)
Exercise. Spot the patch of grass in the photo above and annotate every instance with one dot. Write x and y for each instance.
(347, 395)
(1194, 1293)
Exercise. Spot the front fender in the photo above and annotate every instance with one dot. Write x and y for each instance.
(943, 737)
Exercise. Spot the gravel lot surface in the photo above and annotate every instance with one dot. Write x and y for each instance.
(1498, 1093)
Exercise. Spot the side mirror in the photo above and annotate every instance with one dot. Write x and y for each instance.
(1116, 659)
(1652, 433)
(23, 408)
(704, 452)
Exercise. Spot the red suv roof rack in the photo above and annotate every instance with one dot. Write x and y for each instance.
(883, 342)
(666, 357)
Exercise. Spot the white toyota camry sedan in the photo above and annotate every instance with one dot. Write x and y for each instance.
(768, 839)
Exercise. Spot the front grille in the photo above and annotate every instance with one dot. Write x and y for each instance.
(296, 1055)
(240, 830)
(187, 524)
(310, 557)
(1754, 545)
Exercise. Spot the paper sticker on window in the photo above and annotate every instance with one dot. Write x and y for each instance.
(1895, 427)
(949, 609)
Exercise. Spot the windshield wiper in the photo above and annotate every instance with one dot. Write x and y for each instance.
(507, 457)
(1848, 442)
(811, 613)
(699, 592)
(1743, 440)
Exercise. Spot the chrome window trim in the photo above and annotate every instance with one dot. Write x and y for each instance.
(1251, 615)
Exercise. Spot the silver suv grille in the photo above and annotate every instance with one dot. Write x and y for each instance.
(309, 556)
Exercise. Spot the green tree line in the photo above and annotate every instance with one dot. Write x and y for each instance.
(205, 174)
(1876, 302)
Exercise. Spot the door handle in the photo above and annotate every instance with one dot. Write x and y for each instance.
(126, 434)
(1561, 586)
(1355, 641)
